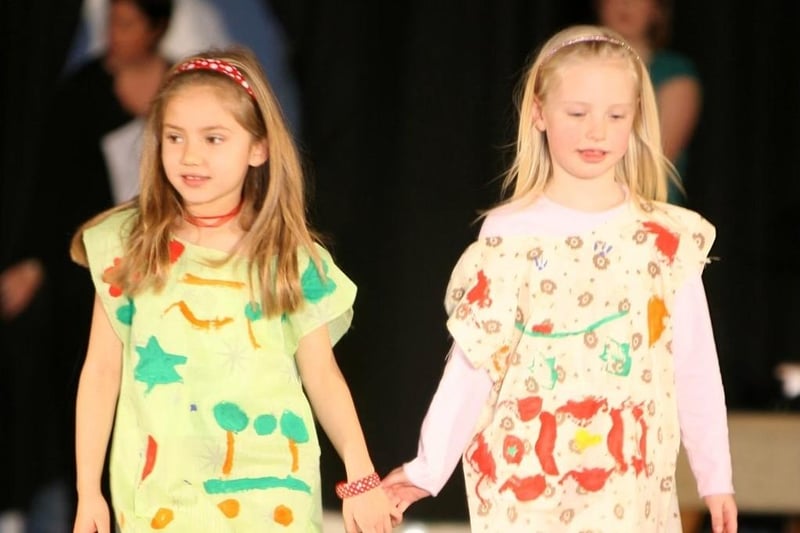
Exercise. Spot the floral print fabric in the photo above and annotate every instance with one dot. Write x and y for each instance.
(581, 433)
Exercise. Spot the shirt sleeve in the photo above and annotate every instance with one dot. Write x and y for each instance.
(104, 249)
(328, 299)
(484, 295)
(449, 423)
(700, 395)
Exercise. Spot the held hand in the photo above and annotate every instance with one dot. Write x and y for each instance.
(401, 491)
(369, 512)
(92, 515)
(722, 508)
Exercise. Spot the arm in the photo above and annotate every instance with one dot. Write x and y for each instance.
(446, 431)
(333, 407)
(98, 390)
(449, 423)
(679, 110)
(701, 403)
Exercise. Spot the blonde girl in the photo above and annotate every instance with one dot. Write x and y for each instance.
(216, 309)
(582, 346)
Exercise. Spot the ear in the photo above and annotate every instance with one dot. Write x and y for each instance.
(538, 116)
(259, 153)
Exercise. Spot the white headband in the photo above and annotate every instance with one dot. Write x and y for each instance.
(589, 39)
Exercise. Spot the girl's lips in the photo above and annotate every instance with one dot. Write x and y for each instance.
(592, 156)
(193, 180)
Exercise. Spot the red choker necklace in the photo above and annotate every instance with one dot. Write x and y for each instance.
(218, 220)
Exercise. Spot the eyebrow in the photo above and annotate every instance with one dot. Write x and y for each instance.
(207, 128)
(580, 102)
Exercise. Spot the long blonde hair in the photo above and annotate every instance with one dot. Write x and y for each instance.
(273, 212)
(643, 169)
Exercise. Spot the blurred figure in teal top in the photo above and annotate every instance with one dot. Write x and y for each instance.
(646, 24)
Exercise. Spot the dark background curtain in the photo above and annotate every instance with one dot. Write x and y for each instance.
(33, 45)
(408, 118)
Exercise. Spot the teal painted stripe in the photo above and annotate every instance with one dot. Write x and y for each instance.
(562, 334)
(225, 486)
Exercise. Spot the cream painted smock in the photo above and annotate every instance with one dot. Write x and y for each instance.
(581, 432)
(213, 431)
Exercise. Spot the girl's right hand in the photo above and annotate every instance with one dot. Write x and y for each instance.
(370, 512)
(93, 515)
(401, 491)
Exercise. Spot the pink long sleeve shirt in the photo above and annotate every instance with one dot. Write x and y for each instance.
(463, 390)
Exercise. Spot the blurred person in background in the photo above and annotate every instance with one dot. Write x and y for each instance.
(647, 24)
(203, 24)
(73, 180)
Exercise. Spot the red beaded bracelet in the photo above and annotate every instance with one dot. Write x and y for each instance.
(359, 486)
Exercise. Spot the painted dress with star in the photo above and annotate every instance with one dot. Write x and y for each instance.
(581, 433)
(213, 431)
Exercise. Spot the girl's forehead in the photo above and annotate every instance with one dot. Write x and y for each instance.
(594, 77)
(199, 97)
(194, 104)
(197, 89)
(591, 66)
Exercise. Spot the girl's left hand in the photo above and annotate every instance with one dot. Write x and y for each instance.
(370, 512)
(722, 508)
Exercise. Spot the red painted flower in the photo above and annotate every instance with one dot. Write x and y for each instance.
(114, 289)
(513, 449)
(666, 241)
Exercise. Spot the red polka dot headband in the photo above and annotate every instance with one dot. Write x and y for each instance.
(217, 65)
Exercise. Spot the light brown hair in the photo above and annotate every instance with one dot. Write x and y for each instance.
(273, 213)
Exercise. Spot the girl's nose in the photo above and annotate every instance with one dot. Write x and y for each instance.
(190, 156)
(597, 130)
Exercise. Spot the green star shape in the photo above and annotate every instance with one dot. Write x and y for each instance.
(314, 288)
(157, 367)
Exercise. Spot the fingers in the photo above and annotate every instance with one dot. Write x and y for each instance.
(382, 524)
(731, 519)
(350, 524)
(396, 521)
(395, 512)
(103, 526)
(393, 477)
(717, 523)
(723, 520)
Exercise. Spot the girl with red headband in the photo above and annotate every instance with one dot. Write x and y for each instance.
(216, 308)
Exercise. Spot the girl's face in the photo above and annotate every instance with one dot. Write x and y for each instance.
(205, 152)
(587, 116)
(131, 37)
(630, 18)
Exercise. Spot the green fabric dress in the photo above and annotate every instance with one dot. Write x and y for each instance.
(213, 432)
